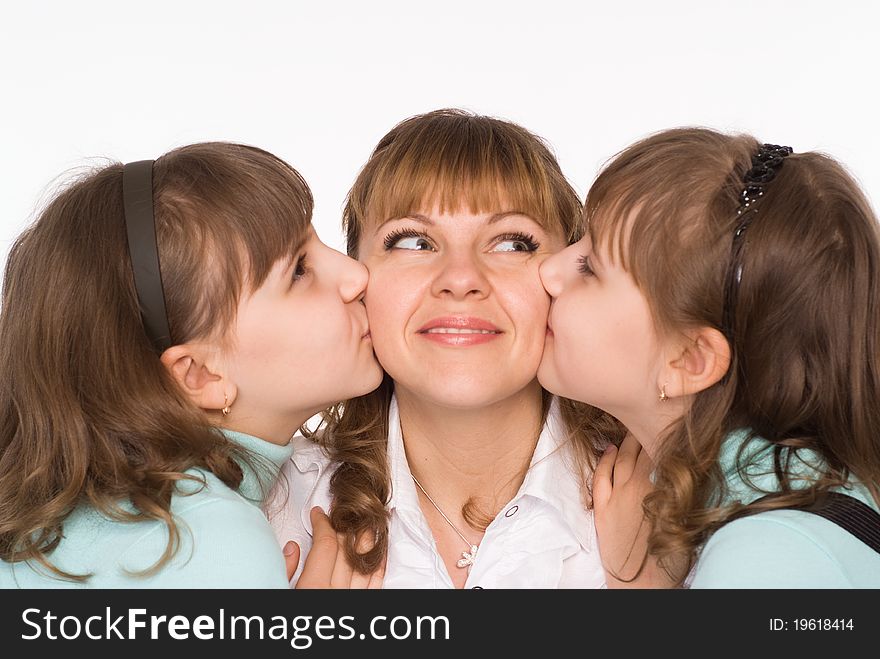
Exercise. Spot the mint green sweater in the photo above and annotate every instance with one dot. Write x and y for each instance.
(782, 548)
(225, 540)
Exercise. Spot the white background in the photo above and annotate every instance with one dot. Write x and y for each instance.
(318, 83)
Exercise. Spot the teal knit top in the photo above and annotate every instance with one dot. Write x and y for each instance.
(783, 548)
(225, 540)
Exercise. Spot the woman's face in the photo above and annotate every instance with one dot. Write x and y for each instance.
(601, 345)
(457, 311)
(301, 340)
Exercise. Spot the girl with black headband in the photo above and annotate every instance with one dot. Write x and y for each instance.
(724, 306)
(166, 328)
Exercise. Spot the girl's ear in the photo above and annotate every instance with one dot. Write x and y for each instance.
(196, 369)
(702, 360)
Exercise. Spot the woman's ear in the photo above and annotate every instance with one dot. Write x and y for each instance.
(196, 369)
(702, 360)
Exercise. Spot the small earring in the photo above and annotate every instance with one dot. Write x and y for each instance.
(663, 397)
(225, 409)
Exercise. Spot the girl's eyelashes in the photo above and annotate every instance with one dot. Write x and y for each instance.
(584, 266)
(407, 239)
(518, 242)
(300, 270)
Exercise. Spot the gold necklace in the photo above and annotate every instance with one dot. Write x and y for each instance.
(468, 556)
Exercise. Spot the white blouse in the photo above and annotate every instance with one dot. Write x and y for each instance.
(543, 538)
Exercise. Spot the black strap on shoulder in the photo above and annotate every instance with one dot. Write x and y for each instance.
(137, 193)
(848, 513)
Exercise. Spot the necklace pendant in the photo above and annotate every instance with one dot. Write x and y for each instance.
(468, 557)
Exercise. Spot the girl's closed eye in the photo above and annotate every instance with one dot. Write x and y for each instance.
(408, 239)
(516, 242)
(584, 266)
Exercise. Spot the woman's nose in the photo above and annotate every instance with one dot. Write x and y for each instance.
(460, 276)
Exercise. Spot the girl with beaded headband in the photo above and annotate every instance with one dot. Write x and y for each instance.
(121, 467)
(724, 306)
(459, 455)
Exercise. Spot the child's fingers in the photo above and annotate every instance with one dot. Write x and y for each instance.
(626, 459)
(342, 570)
(364, 544)
(359, 581)
(377, 578)
(319, 564)
(291, 558)
(602, 477)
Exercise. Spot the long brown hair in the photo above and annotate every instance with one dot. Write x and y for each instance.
(804, 372)
(88, 414)
(448, 157)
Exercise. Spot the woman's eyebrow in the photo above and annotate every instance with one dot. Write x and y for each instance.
(421, 219)
(500, 216)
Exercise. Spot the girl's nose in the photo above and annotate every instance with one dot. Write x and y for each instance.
(551, 273)
(353, 278)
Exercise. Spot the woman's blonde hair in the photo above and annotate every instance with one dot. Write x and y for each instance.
(448, 157)
(806, 341)
(88, 414)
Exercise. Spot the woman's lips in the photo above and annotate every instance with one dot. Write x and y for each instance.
(459, 331)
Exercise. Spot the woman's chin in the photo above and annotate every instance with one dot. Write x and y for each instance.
(464, 396)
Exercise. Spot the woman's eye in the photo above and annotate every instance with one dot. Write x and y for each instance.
(516, 242)
(408, 239)
(584, 266)
(412, 242)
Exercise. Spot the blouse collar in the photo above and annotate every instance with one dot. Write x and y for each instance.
(552, 477)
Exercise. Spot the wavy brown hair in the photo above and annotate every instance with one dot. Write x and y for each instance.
(88, 414)
(804, 372)
(449, 157)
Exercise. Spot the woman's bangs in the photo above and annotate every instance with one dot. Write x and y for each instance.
(474, 180)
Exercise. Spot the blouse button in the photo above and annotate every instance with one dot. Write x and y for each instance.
(511, 511)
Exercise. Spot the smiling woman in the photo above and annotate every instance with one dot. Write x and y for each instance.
(462, 468)
(473, 281)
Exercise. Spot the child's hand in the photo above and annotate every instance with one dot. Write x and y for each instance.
(326, 565)
(620, 484)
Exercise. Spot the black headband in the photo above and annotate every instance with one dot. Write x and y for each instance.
(765, 163)
(137, 195)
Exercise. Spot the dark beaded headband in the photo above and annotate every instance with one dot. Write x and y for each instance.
(765, 164)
